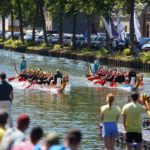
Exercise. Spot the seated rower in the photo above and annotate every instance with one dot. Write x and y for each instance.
(58, 77)
(64, 83)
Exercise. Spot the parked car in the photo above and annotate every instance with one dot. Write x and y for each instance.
(80, 41)
(146, 46)
(67, 39)
(39, 39)
(16, 35)
(143, 40)
(28, 37)
(99, 42)
(120, 44)
(7, 35)
(54, 39)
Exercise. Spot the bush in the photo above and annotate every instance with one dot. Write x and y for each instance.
(8, 42)
(103, 51)
(126, 51)
(17, 43)
(43, 45)
(57, 46)
(145, 57)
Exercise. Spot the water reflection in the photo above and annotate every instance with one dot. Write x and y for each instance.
(59, 112)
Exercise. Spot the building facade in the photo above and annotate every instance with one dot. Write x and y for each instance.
(81, 24)
(145, 21)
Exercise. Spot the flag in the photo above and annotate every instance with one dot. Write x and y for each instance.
(107, 26)
(114, 31)
(120, 29)
(137, 28)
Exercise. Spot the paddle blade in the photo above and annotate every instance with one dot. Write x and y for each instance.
(28, 86)
(11, 78)
(112, 84)
(21, 79)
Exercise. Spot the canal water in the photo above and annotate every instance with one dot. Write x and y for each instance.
(59, 112)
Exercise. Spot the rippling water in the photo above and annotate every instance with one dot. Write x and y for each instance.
(60, 112)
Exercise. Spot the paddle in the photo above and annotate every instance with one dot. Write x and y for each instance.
(12, 78)
(112, 84)
(30, 85)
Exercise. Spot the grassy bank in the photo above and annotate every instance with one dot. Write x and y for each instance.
(83, 54)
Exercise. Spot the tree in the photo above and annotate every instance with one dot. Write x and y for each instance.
(129, 8)
(72, 8)
(88, 7)
(4, 12)
(19, 9)
(41, 4)
(57, 11)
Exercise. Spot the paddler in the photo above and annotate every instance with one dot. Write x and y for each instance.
(65, 80)
(132, 76)
(58, 78)
(23, 64)
(96, 66)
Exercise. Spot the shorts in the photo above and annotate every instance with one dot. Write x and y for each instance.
(133, 137)
(109, 129)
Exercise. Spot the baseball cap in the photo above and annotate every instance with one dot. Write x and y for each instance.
(23, 119)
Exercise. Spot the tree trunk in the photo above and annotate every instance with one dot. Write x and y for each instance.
(88, 31)
(3, 27)
(41, 5)
(74, 19)
(20, 20)
(108, 41)
(60, 28)
(34, 23)
(12, 25)
(132, 42)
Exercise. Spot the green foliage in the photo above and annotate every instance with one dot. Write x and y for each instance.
(126, 51)
(145, 57)
(102, 52)
(8, 42)
(57, 46)
(15, 44)
(43, 45)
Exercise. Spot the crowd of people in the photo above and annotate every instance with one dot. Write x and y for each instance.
(37, 76)
(16, 139)
(101, 75)
(131, 112)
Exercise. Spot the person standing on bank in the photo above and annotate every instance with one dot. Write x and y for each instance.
(23, 64)
(132, 121)
(109, 116)
(6, 97)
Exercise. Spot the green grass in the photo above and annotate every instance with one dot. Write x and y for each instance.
(120, 55)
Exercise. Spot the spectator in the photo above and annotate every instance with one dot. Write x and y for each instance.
(14, 136)
(6, 96)
(132, 121)
(3, 122)
(35, 136)
(50, 140)
(109, 116)
(71, 141)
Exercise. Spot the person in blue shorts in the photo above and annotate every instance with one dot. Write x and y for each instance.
(109, 115)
